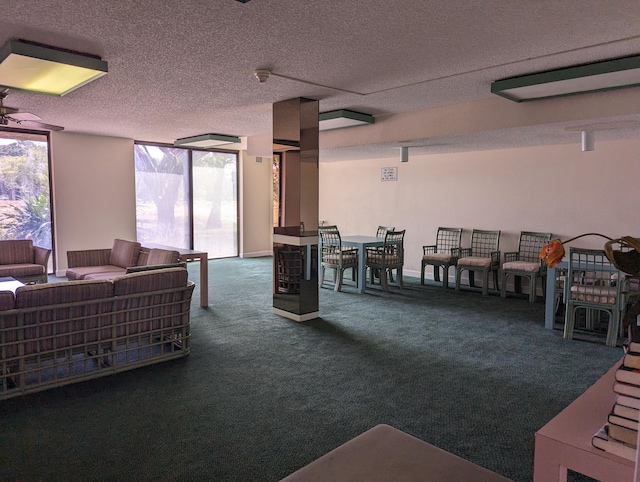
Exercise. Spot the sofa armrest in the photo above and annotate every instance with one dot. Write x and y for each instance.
(88, 257)
(41, 256)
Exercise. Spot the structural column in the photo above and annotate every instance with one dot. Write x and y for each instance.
(295, 244)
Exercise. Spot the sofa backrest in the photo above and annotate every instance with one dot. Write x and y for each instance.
(64, 292)
(124, 253)
(154, 311)
(161, 279)
(16, 251)
(7, 300)
(54, 327)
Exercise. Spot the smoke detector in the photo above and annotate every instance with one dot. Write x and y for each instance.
(262, 75)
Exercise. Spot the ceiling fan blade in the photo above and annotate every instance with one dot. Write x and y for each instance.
(25, 116)
(37, 124)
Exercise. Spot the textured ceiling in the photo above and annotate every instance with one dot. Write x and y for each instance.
(182, 68)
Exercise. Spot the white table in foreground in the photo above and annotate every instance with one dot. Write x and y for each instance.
(565, 442)
(362, 242)
(384, 453)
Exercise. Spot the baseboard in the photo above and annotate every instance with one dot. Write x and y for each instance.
(257, 254)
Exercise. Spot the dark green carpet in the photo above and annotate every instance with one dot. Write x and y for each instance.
(261, 396)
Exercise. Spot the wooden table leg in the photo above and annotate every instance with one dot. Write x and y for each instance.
(204, 281)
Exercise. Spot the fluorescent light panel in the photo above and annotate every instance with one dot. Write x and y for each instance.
(337, 119)
(205, 141)
(607, 75)
(46, 70)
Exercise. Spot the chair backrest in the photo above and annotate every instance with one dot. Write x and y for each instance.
(447, 239)
(530, 245)
(330, 239)
(592, 278)
(394, 243)
(382, 230)
(483, 243)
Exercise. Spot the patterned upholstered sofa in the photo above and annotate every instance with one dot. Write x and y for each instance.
(21, 260)
(92, 264)
(59, 333)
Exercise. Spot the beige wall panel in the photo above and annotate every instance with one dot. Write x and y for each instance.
(94, 192)
(256, 188)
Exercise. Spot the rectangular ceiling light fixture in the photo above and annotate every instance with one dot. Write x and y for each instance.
(206, 141)
(46, 70)
(337, 119)
(606, 75)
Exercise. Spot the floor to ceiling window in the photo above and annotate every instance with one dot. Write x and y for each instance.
(25, 200)
(187, 198)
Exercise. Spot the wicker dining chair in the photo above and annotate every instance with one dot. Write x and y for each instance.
(526, 263)
(483, 255)
(592, 284)
(387, 257)
(441, 254)
(380, 233)
(335, 256)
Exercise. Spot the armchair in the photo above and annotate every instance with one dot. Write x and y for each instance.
(21, 260)
(526, 263)
(483, 255)
(387, 257)
(440, 255)
(592, 284)
(335, 257)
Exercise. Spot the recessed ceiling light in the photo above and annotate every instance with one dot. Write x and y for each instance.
(607, 75)
(337, 119)
(46, 70)
(205, 141)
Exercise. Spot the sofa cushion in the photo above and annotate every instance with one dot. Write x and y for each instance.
(16, 251)
(162, 256)
(17, 270)
(81, 272)
(124, 253)
(110, 275)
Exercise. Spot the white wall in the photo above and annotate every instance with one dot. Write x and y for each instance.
(94, 192)
(551, 188)
(256, 211)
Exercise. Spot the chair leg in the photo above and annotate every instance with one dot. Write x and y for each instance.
(321, 277)
(614, 327)
(436, 273)
(422, 273)
(399, 274)
(532, 289)
(569, 321)
(383, 279)
(503, 291)
(458, 276)
(485, 282)
(338, 286)
(496, 282)
(445, 275)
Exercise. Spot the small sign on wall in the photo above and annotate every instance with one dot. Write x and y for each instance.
(389, 174)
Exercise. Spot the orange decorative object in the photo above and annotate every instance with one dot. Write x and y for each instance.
(552, 253)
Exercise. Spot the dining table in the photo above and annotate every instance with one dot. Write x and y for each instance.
(362, 243)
